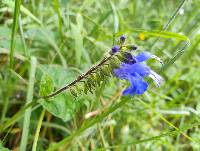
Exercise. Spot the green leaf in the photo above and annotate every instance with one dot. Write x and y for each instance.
(3, 148)
(79, 20)
(60, 75)
(5, 40)
(63, 105)
(163, 34)
(78, 40)
(115, 18)
(46, 85)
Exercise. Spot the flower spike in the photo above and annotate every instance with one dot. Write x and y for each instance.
(121, 63)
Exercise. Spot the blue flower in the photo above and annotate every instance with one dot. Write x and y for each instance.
(143, 56)
(134, 70)
(138, 85)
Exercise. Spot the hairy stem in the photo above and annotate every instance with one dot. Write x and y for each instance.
(81, 77)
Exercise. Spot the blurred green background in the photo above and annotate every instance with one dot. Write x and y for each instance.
(65, 38)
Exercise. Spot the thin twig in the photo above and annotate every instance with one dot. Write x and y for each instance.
(81, 77)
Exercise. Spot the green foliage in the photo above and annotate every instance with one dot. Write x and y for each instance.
(3, 148)
(14, 30)
(46, 85)
(63, 106)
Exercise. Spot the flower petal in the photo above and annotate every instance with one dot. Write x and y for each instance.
(143, 56)
(139, 68)
(138, 85)
(120, 73)
(156, 78)
(130, 69)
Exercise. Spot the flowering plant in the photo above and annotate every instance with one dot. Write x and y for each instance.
(134, 70)
(121, 63)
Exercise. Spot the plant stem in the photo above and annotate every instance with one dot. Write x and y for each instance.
(38, 131)
(29, 98)
(169, 21)
(14, 29)
(81, 77)
(12, 47)
(22, 37)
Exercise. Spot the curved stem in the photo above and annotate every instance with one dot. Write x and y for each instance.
(81, 77)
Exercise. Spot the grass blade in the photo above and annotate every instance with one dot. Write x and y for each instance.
(29, 98)
(12, 48)
(174, 15)
(22, 9)
(162, 34)
(17, 116)
(14, 30)
(175, 57)
(154, 138)
(166, 121)
(34, 148)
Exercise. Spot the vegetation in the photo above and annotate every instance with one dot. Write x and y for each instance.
(46, 45)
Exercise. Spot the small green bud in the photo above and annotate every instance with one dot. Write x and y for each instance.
(78, 89)
(86, 87)
(114, 63)
(131, 47)
(89, 84)
(98, 79)
(120, 56)
(105, 71)
(73, 92)
(92, 80)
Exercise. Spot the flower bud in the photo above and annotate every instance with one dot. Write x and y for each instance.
(131, 47)
(122, 39)
(115, 49)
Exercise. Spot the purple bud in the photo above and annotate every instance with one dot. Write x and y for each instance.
(129, 59)
(122, 39)
(128, 56)
(115, 49)
(133, 47)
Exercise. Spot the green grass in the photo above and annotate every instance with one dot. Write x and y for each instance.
(14, 29)
(11, 56)
(27, 114)
(67, 38)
